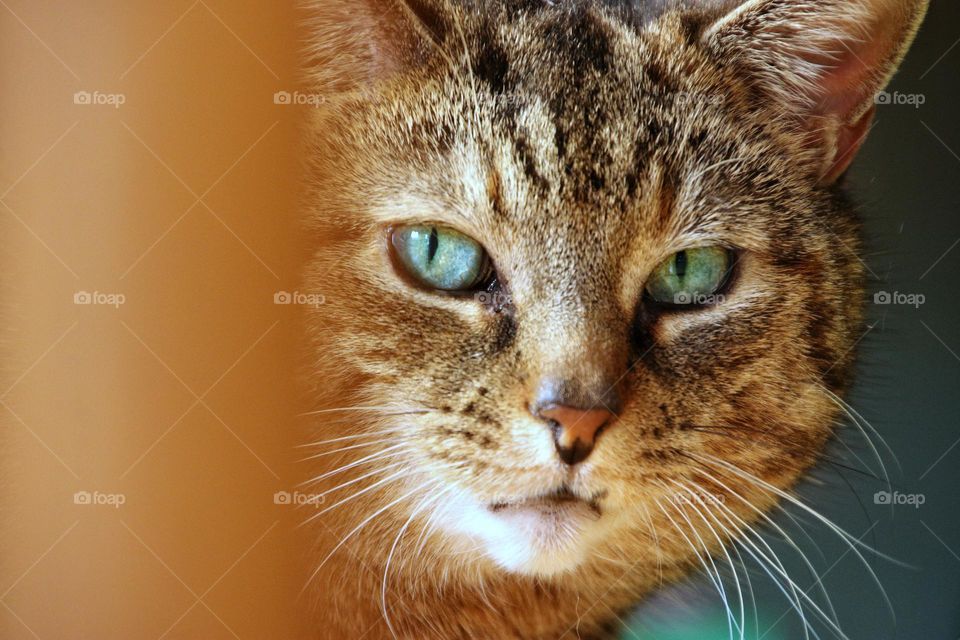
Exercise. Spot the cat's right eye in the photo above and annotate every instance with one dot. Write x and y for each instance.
(441, 258)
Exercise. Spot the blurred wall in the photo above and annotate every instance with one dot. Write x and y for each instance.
(147, 209)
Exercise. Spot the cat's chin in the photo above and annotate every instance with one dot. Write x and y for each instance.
(542, 536)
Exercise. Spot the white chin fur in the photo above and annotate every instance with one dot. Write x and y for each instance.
(526, 541)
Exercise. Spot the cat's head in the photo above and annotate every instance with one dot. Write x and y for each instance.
(579, 262)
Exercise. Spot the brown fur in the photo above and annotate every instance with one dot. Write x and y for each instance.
(581, 146)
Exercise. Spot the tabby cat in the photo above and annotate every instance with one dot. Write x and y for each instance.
(592, 294)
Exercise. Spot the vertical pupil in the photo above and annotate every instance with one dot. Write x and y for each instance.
(680, 263)
(432, 245)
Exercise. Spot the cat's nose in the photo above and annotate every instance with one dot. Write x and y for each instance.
(575, 430)
(576, 413)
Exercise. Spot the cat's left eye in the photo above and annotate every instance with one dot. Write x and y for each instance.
(691, 277)
(441, 258)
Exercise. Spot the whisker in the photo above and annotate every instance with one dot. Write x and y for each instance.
(723, 548)
(359, 478)
(373, 408)
(341, 449)
(715, 579)
(859, 421)
(357, 494)
(773, 562)
(725, 431)
(386, 569)
(355, 436)
(852, 541)
(387, 452)
(656, 539)
(360, 526)
(779, 529)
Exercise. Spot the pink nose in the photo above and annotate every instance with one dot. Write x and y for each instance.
(575, 430)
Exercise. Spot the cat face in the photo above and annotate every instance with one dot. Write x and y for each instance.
(594, 277)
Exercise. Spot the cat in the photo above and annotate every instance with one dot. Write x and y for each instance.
(592, 294)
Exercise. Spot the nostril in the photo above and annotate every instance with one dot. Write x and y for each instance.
(574, 430)
(582, 424)
(575, 454)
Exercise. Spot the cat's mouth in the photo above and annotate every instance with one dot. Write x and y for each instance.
(543, 534)
(553, 502)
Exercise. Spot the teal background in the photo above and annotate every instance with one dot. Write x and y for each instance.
(908, 180)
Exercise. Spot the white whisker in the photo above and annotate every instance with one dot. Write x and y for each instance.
(359, 478)
(851, 541)
(320, 443)
(694, 495)
(372, 408)
(715, 579)
(357, 494)
(393, 548)
(780, 530)
(362, 524)
(387, 452)
(859, 421)
(341, 449)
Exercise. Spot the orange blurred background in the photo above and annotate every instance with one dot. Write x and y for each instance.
(148, 183)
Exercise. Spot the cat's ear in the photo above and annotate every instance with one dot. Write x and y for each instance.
(352, 44)
(821, 62)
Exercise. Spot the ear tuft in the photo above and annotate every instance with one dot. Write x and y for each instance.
(822, 62)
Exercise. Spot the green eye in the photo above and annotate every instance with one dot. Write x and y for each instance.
(441, 258)
(693, 276)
